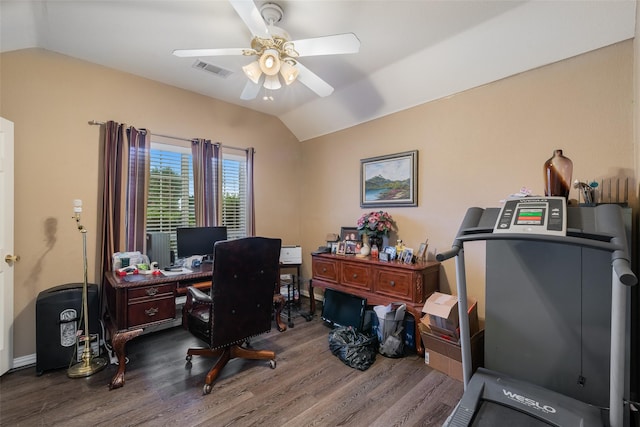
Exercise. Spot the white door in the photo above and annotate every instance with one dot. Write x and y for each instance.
(7, 260)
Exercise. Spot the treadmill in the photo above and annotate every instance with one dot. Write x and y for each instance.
(519, 387)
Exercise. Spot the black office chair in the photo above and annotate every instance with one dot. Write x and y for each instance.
(245, 274)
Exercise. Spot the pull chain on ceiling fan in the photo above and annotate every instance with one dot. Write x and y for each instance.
(276, 54)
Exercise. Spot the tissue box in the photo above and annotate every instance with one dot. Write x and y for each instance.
(442, 315)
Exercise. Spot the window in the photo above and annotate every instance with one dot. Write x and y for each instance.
(170, 200)
(234, 194)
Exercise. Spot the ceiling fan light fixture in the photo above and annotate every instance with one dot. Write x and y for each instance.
(272, 82)
(253, 71)
(270, 62)
(289, 72)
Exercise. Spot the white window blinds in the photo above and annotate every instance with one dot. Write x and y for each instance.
(170, 204)
(234, 193)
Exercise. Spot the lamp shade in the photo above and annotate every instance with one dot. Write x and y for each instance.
(252, 71)
(289, 73)
(270, 62)
(272, 82)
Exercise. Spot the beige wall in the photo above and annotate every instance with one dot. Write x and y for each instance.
(50, 98)
(477, 147)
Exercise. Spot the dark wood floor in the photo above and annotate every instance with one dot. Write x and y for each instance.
(309, 387)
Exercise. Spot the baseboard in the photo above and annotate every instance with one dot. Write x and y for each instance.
(23, 362)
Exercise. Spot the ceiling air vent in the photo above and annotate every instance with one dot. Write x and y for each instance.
(213, 69)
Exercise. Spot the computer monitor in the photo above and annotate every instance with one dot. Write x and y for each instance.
(198, 240)
(342, 309)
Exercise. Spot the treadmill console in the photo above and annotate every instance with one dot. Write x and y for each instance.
(533, 215)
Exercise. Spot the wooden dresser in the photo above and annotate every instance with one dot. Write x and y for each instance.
(380, 282)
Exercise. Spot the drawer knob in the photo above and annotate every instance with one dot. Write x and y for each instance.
(355, 276)
(152, 291)
(151, 312)
(324, 269)
(392, 283)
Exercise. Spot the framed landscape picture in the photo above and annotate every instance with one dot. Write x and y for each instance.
(389, 180)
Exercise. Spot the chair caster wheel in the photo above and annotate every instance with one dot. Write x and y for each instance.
(272, 363)
(206, 389)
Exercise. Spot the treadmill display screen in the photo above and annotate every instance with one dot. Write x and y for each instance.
(530, 216)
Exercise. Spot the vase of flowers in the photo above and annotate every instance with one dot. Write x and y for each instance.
(376, 226)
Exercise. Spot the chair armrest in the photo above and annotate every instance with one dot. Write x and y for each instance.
(197, 296)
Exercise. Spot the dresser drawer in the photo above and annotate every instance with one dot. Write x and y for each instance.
(150, 311)
(394, 283)
(326, 270)
(356, 275)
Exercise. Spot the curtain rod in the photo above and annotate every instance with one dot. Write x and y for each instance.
(97, 123)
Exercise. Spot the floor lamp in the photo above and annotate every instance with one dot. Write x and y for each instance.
(89, 364)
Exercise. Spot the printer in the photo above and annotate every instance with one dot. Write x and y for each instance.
(291, 254)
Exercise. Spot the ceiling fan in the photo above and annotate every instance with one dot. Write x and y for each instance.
(276, 54)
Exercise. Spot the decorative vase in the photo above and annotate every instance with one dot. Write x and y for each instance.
(365, 249)
(557, 175)
(375, 240)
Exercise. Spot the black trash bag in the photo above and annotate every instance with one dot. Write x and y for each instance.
(355, 349)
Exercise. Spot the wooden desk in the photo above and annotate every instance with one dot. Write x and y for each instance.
(380, 282)
(136, 302)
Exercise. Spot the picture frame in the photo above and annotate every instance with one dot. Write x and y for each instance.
(422, 250)
(383, 256)
(350, 247)
(334, 248)
(349, 234)
(390, 251)
(389, 181)
(407, 256)
(341, 250)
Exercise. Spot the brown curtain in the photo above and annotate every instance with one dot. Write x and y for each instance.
(251, 213)
(137, 195)
(124, 175)
(206, 179)
(115, 165)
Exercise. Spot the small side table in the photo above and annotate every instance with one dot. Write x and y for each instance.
(295, 284)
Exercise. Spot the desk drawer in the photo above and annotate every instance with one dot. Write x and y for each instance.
(326, 270)
(394, 283)
(153, 291)
(150, 311)
(356, 275)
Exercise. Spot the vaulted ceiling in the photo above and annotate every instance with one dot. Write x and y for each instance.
(411, 52)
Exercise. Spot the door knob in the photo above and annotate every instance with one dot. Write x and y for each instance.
(10, 259)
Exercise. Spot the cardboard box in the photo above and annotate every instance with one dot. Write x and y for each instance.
(442, 315)
(446, 356)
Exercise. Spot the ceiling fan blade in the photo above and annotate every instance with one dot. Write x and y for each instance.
(250, 90)
(251, 17)
(328, 45)
(313, 82)
(186, 53)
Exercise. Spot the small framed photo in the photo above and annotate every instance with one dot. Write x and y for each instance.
(349, 233)
(390, 251)
(334, 247)
(350, 247)
(341, 248)
(383, 256)
(407, 256)
(422, 250)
